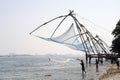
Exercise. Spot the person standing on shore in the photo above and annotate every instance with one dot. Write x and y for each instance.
(83, 69)
(117, 63)
(96, 65)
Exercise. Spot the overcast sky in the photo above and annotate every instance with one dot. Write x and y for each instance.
(19, 17)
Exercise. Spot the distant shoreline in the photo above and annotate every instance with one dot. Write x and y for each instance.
(13, 55)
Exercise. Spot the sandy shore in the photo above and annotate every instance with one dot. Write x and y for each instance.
(111, 74)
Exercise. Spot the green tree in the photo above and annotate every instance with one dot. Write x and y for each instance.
(116, 45)
(116, 31)
(116, 42)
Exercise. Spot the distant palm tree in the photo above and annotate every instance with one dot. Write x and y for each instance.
(116, 42)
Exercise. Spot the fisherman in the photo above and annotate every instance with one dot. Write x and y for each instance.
(101, 60)
(117, 63)
(96, 65)
(83, 67)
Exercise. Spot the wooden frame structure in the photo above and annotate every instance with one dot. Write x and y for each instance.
(96, 45)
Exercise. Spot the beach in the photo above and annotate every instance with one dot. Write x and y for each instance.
(111, 74)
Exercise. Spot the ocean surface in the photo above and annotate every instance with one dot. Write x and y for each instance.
(48, 67)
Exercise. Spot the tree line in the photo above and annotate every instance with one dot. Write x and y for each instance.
(115, 47)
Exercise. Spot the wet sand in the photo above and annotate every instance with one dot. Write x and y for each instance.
(93, 75)
(111, 74)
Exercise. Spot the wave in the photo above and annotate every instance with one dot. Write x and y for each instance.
(60, 61)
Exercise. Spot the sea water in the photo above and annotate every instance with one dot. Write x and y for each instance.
(47, 67)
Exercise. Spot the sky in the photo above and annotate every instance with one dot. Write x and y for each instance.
(19, 17)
